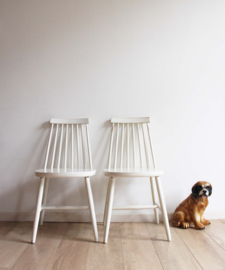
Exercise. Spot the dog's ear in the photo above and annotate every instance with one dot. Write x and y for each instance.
(195, 190)
(210, 190)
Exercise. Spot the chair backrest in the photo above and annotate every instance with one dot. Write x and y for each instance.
(68, 144)
(130, 145)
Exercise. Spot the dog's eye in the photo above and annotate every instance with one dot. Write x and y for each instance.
(208, 188)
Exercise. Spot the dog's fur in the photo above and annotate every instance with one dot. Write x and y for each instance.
(193, 207)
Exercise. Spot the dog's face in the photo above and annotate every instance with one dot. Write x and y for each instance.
(202, 189)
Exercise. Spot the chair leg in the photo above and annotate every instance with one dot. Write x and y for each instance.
(109, 210)
(156, 210)
(44, 200)
(38, 209)
(106, 203)
(163, 208)
(91, 207)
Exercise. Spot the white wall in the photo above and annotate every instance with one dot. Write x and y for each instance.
(98, 59)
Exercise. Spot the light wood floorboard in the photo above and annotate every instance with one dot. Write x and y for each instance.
(130, 246)
(14, 243)
(106, 256)
(174, 254)
(73, 250)
(138, 250)
(217, 232)
(206, 251)
(37, 256)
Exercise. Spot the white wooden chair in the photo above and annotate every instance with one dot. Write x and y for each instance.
(61, 156)
(130, 154)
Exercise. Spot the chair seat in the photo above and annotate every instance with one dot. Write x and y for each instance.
(132, 172)
(54, 173)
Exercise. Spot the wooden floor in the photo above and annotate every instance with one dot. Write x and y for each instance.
(142, 246)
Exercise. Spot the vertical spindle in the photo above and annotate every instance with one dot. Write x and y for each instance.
(117, 136)
(66, 146)
(78, 161)
(122, 139)
(134, 150)
(127, 146)
(60, 147)
(146, 152)
(139, 143)
(89, 147)
(83, 148)
(53, 154)
(49, 143)
(110, 147)
(150, 142)
(72, 146)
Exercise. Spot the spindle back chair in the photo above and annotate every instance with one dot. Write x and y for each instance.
(131, 155)
(68, 155)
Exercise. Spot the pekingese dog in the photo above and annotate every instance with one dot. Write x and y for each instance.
(191, 210)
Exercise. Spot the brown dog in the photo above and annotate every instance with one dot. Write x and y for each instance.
(192, 209)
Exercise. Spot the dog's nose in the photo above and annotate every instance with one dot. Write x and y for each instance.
(204, 191)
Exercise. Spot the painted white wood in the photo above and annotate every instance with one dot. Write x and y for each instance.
(78, 150)
(69, 121)
(89, 148)
(72, 159)
(146, 151)
(66, 146)
(117, 136)
(53, 155)
(135, 207)
(139, 143)
(60, 146)
(132, 171)
(92, 208)
(109, 211)
(38, 209)
(163, 208)
(52, 208)
(110, 147)
(130, 120)
(44, 200)
(128, 160)
(58, 173)
(83, 147)
(106, 203)
(122, 139)
(48, 148)
(68, 169)
(150, 142)
(134, 148)
(156, 211)
(159, 207)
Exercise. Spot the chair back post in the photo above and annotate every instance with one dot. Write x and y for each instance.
(53, 155)
(48, 148)
(110, 146)
(89, 148)
(150, 142)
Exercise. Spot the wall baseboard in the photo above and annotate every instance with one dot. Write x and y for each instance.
(74, 217)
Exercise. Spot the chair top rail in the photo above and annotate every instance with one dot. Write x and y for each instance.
(128, 120)
(69, 121)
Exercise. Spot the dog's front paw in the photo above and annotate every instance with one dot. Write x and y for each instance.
(206, 222)
(200, 227)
